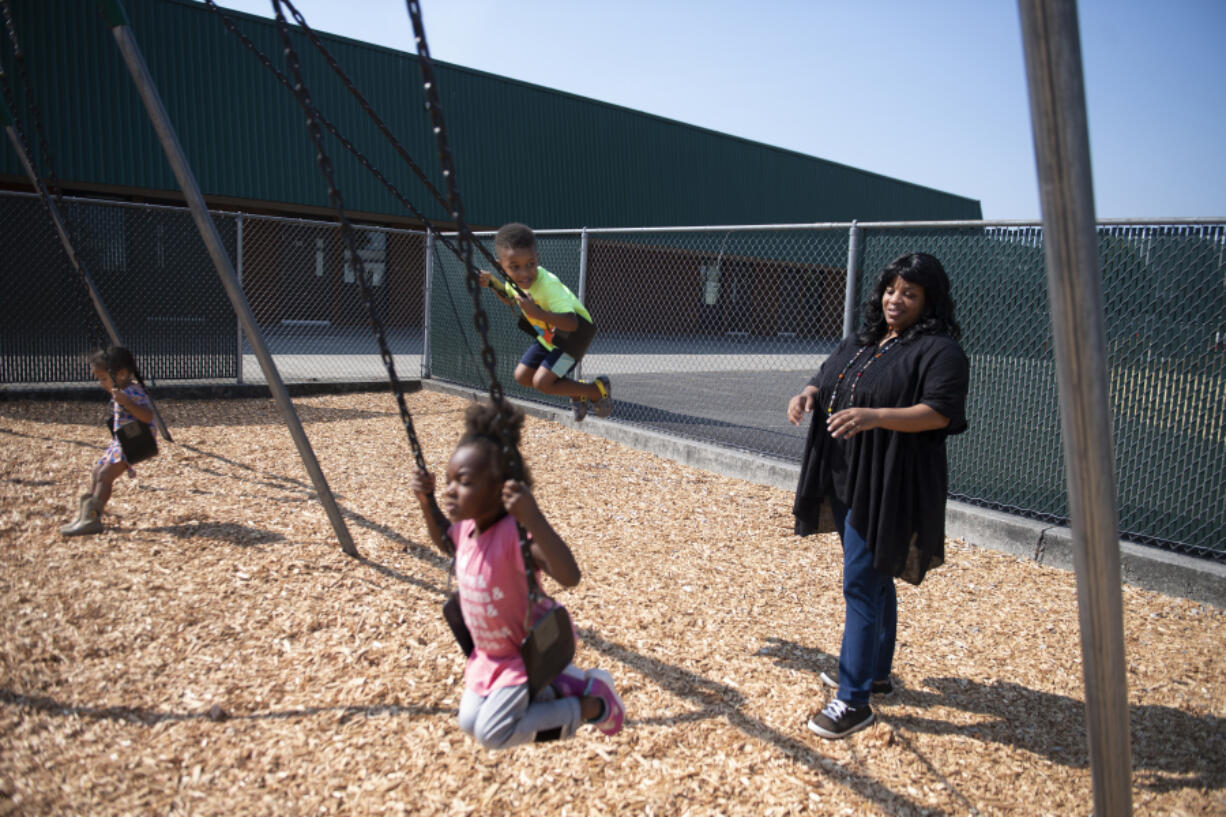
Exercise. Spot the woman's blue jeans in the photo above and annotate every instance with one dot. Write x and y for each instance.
(870, 625)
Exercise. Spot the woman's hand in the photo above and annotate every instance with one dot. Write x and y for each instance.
(849, 422)
(800, 405)
(910, 420)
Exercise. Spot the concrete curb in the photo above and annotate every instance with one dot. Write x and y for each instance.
(1151, 568)
(1162, 571)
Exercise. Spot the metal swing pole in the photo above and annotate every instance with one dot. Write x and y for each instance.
(117, 19)
(104, 315)
(1062, 153)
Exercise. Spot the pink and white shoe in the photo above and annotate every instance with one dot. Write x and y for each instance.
(570, 683)
(600, 684)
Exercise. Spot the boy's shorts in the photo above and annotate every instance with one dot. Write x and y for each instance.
(555, 361)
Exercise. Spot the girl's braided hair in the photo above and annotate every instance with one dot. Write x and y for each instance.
(486, 426)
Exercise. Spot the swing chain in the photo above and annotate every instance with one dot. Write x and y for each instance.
(19, 58)
(515, 466)
(96, 332)
(346, 143)
(471, 281)
(347, 231)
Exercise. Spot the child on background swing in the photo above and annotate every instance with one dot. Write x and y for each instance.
(563, 325)
(484, 505)
(115, 370)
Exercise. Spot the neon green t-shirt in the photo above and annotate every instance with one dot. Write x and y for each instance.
(552, 295)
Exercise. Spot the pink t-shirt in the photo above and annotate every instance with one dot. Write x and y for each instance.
(489, 569)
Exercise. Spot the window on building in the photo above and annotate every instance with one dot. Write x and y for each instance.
(373, 252)
(710, 284)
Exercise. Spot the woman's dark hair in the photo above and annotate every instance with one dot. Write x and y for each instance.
(114, 358)
(938, 316)
(487, 427)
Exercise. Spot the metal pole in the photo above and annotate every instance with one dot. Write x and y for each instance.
(582, 286)
(425, 319)
(62, 228)
(853, 270)
(238, 324)
(1062, 153)
(117, 19)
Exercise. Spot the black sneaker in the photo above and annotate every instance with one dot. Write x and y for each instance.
(883, 689)
(839, 719)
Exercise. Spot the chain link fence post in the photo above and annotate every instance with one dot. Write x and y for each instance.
(582, 286)
(850, 296)
(238, 324)
(426, 296)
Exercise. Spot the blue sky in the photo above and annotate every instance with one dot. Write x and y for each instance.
(930, 92)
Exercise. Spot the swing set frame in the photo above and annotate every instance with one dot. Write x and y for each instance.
(1055, 82)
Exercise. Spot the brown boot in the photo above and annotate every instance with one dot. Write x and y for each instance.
(89, 521)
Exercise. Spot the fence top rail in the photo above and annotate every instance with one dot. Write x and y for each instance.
(1102, 222)
(182, 208)
(820, 225)
(137, 205)
(318, 222)
(863, 225)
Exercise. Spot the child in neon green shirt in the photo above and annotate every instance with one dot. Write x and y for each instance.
(563, 326)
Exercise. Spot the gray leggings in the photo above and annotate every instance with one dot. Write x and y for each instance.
(506, 717)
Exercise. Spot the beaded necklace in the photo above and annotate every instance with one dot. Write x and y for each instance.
(834, 393)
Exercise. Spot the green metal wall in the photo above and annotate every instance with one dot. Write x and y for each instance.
(578, 162)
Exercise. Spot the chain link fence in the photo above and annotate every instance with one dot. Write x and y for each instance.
(152, 273)
(1164, 298)
(156, 279)
(302, 288)
(704, 332)
(707, 333)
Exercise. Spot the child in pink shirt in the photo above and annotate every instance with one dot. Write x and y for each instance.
(484, 505)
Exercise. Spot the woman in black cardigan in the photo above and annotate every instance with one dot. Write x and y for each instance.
(874, 466)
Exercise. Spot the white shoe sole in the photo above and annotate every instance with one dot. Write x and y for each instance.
(817, 729)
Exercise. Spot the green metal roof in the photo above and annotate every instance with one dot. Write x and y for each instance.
(577, 162)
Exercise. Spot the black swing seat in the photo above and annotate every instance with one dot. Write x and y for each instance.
(548, 648)
(572, 343)
(575, 343)
(137, 441)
